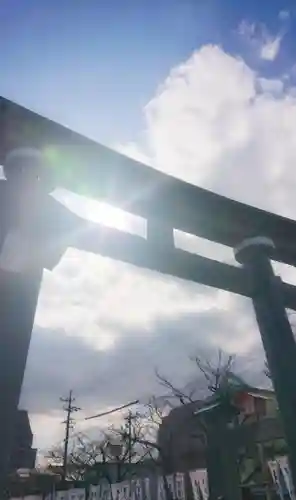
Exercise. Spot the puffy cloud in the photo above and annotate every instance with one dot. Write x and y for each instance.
(101, 326)
(216, 123)
(125, 371)
(264, 45)
(272, 86)
(270, 48)
(284, 15)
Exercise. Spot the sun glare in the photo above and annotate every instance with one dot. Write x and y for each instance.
(106, 214)
(95, 211)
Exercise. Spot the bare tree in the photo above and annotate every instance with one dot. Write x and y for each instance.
(107, 458)
(145, 433)
(214, 372)
(217, 375)
(84, 455)
(139, 443)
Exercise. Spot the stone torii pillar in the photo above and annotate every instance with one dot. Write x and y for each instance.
(276, 333)
(35, 230)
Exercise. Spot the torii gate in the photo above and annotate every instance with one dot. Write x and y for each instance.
(85, 167)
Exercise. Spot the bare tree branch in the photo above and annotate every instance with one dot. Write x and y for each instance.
(215, 372)
(175, 392)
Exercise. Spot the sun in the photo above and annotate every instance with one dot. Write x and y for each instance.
(106, 214)
(93, 210)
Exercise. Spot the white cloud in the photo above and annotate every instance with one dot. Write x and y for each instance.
(183, 120)
(215, 123)
(284, 15)
(270, 49)
(272, 86)
(264, 44)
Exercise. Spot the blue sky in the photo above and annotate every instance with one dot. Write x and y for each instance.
(93, 65)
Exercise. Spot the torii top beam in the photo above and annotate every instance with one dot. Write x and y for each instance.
(142, 190)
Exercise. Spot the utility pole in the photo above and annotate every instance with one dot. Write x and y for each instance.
(69, 408)
(129, 418)
(129, 433)
(129, 444)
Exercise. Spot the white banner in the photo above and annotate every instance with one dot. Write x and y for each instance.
(136, 489)
(171, 485)
(199, 482)
(285, 468)
(62, 495)
(147, 488)
(116, 491)
(93, 492)
(100, 492)
(77, 494)
(180, 486)
(104, 491)
(161, 494)
(174, 484)
(126, 490)
(274, 471)
(121, 491)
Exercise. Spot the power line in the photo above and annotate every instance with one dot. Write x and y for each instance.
(69, 408)
(113, 411)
